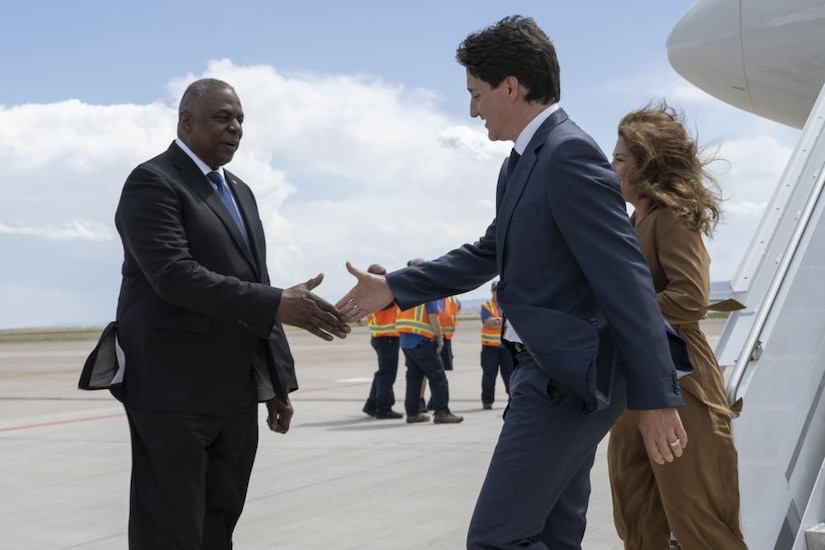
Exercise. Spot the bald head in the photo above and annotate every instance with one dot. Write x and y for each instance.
(199, 89)
(210, 120)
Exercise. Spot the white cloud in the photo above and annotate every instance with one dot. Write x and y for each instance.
(753, 153)
(344, 167)
(660, 83)
(72, 230)
(79, 137)
(66, 161)
(745, 208)
(375, 172)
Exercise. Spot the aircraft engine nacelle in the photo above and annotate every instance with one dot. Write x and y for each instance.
(763, 56)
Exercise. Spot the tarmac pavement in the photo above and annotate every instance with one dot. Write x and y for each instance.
(337, 480)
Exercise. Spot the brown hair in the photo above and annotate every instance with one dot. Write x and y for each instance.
(515, 46)
(670, 168)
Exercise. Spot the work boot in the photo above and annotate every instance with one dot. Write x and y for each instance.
(420, 417)
(444, 416)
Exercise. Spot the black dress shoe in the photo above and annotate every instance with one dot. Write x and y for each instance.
(368, 411)
(390, 414)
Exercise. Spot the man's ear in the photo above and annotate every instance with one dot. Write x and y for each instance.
(515, 89)
(183, 121)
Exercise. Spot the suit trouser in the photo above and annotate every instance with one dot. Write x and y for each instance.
(382, 397)
(537, 487)
(189, 478)
(696, 496)
(494, 359)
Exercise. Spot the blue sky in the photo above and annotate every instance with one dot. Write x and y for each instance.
(357, 121)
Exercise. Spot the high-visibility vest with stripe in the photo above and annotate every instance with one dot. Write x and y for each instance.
(415, 321)
(491, 336)
(382, 323)
(448, 309)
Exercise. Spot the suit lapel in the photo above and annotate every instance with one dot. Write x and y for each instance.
(514, 187)
(201, 186)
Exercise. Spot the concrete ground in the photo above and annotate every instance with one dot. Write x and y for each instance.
(338, 480)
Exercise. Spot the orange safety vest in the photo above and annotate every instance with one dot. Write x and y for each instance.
(415, 321)
(382, 323)
(448, 309)
(491, 336)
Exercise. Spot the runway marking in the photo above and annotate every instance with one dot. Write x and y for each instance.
(59, 422)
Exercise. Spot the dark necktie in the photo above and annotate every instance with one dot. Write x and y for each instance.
(511, 162)
(226, 199)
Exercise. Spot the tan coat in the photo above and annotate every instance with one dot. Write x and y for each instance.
(697, 496)
(680, 267)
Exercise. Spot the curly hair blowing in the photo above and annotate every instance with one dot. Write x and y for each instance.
(670, 169)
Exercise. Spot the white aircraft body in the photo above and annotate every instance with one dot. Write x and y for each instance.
(763, 56)
(768, 57)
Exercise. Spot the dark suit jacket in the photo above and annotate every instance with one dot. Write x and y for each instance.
(195, 306)
(573, 282)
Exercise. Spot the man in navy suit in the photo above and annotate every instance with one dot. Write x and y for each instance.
(201, 330)
(581, 316)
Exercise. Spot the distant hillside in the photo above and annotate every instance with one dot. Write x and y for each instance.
(720, 290)
(56, 333)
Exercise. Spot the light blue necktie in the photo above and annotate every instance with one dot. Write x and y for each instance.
(226, 199)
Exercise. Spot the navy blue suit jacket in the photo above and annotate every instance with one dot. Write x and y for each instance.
(573, 281)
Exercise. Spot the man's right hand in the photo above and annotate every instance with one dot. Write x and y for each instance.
(369, 294)
(301, 308)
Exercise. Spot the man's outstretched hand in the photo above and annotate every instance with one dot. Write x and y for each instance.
(370, 293)
(301, 308)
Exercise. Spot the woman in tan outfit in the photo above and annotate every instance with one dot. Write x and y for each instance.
(676, 200)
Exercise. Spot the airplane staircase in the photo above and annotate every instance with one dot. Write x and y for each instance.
(773, 355)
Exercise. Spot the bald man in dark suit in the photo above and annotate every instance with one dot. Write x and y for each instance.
(201, 330)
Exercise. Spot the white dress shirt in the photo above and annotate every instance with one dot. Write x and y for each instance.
(523, 139)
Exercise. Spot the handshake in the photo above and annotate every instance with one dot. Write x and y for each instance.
(301, 308)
